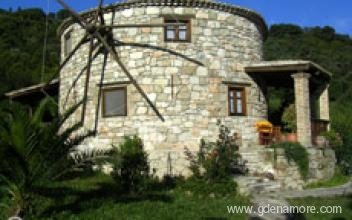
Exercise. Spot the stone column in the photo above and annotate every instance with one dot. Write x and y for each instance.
(303, 111)
(324, 104)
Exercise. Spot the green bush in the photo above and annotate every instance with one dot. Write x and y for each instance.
(334, 138)
(215, 161)
(130, 166)
(297, 153)
(32, 153)
(341, 122)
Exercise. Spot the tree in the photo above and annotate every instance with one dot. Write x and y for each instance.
(285, 30)
(321, 45)
(32, 153)
(21, 43)
(62, 14)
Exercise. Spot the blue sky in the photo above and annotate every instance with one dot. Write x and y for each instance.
(337, 13)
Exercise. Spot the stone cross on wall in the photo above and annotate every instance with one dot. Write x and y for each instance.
(176, 86)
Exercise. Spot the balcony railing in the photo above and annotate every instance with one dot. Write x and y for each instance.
(318, 128)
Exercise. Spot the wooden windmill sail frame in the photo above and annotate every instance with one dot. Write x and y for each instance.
(99, 35)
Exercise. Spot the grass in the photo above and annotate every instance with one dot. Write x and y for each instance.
(97, 197)
(337, 180)
(344, 202)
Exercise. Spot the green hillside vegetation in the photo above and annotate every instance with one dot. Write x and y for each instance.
(21, 49)
(322, 45)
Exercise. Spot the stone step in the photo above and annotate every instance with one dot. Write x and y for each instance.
(257, 158)
(266, 187)
(250, 157)
(251, 185)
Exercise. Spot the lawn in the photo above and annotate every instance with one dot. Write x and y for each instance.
(344, 202)
(96, 197)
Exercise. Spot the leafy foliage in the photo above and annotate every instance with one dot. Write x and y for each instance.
(215, 161)
(32, 153)
(333, 138)
(21, 47)
(321, 45)
(297, 153)
(342, 124)
(130, 165)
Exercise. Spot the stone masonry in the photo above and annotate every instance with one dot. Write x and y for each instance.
(191, 97)
(222, 41)
(303, 109)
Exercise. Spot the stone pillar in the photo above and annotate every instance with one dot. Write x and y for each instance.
(303, 111)
(324, 112)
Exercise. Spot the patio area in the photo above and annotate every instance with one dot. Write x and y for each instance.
(310, 85)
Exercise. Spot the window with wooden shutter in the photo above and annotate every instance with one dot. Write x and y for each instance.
(67, 43)
(180, 32)
(237, 101)
(114, 102)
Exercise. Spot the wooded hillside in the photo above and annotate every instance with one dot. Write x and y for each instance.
(22, 38)
(322, 45)
(21, 47)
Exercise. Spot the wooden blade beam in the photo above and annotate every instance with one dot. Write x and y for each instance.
(112, 17)
(100, 12)
(69, 56)
(89, 66)
(102, 76)
(77, 78)
(120, 43)
(74, 14)
(65, 61)
(115, 56)
(142, 25)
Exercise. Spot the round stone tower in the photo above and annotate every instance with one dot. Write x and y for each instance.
(194, 88)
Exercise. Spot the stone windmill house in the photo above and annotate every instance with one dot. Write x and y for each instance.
(221, 75)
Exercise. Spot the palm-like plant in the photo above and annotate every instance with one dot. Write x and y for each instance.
(32, 152)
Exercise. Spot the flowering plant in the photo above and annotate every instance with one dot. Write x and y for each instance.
(264, 126)
(216, 161)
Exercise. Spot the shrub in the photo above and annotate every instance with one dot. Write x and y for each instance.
(130, 165)
(334, 138)
(297, 153)
(32, 153)
(341, 122)
(215, 161)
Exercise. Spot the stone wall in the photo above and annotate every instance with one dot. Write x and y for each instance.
(287, 172)
(263, 161)
(223, 42)
(321, 163)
